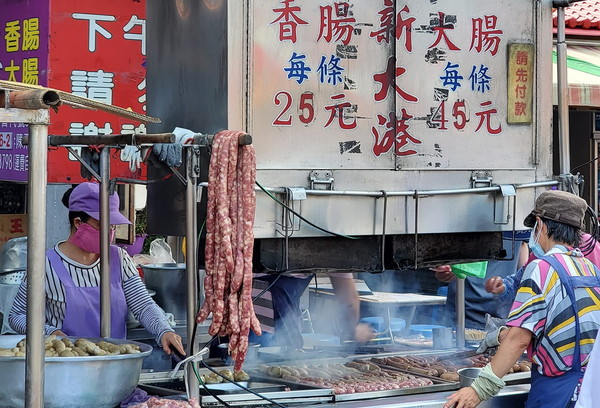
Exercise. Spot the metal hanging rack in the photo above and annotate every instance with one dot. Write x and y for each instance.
(190, 181)
(24, 103)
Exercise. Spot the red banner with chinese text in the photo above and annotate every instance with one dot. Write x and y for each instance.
(96, 50)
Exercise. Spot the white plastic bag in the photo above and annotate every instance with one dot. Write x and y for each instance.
(161, 251)
(143, 259)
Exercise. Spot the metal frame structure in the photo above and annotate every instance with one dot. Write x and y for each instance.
(33, 110)
(38, 119)
(190, 180)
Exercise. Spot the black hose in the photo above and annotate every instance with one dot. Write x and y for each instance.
(301, 217)
(242, 387)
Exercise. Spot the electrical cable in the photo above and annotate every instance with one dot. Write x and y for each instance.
(588, 246)
(205, 387)
(193, 340)
(301, 217)
(583, 164)
(315, 270)
(242, 387)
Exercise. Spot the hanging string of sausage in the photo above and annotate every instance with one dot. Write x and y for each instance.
(229, 243)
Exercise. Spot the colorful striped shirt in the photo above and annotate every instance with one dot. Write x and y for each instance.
(543, 307)
(141, 305)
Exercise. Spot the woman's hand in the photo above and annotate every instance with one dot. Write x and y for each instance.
(464, 398)
(172, 339)
(495, 285)
(59, 333)
(363, 333)
(443, 273)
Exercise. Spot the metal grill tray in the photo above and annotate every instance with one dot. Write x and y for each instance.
(512, 378)
(438, 386)
(431, 377)
(177, 386)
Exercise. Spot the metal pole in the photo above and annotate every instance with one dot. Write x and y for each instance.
(36, 266)
(460, 313)
(563, 92)
(105, 242)
(191, 199)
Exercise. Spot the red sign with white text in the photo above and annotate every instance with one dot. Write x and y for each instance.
(97, 50)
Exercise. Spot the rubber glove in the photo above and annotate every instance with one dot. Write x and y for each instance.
(132, 155)
(491, 340)
(183, 136)
(170, 153)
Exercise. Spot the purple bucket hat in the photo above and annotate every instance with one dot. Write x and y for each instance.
(86, 197)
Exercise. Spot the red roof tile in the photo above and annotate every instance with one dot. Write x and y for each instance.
(582, 15)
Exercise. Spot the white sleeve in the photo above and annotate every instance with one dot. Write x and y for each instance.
(590, 392)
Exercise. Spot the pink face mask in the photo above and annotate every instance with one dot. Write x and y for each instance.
(88, 238)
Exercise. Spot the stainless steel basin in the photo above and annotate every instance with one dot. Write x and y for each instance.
(74, 382)
(169, 282)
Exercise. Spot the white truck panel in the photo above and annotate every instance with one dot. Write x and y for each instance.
(303, 57)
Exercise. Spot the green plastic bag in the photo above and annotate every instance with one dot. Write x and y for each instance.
(476, 269)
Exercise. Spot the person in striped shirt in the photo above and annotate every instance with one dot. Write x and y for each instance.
(506, 288)
(556, 312)
(73, 280)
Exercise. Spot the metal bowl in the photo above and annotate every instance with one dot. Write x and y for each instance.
(251, 354)
(74, 382)
(13, 255)
(466, 376)
(168, 280)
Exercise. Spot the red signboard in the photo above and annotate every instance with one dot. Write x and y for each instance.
(96, 49)
(12, 226)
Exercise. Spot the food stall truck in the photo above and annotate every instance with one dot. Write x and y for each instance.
(423, 130)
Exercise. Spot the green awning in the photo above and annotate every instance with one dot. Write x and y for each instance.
(583, 75)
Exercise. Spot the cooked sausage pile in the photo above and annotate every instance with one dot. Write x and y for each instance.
(348, 378)
(213, 378)
(229, 243)
(445, 369)
(66, 348)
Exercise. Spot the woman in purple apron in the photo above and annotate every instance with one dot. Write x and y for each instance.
(81, 314)
(73, 280)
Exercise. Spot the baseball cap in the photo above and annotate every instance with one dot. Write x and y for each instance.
(86, 197)
(559, 206)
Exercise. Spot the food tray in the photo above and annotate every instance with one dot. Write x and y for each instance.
(362, 395)
(517, 378)
(438, 386)
(512, 378)
(177, 386)
(436, 380)
(415, 364)
(394, 393)
(257, 375)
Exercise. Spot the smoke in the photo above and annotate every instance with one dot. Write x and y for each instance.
(326, 322)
